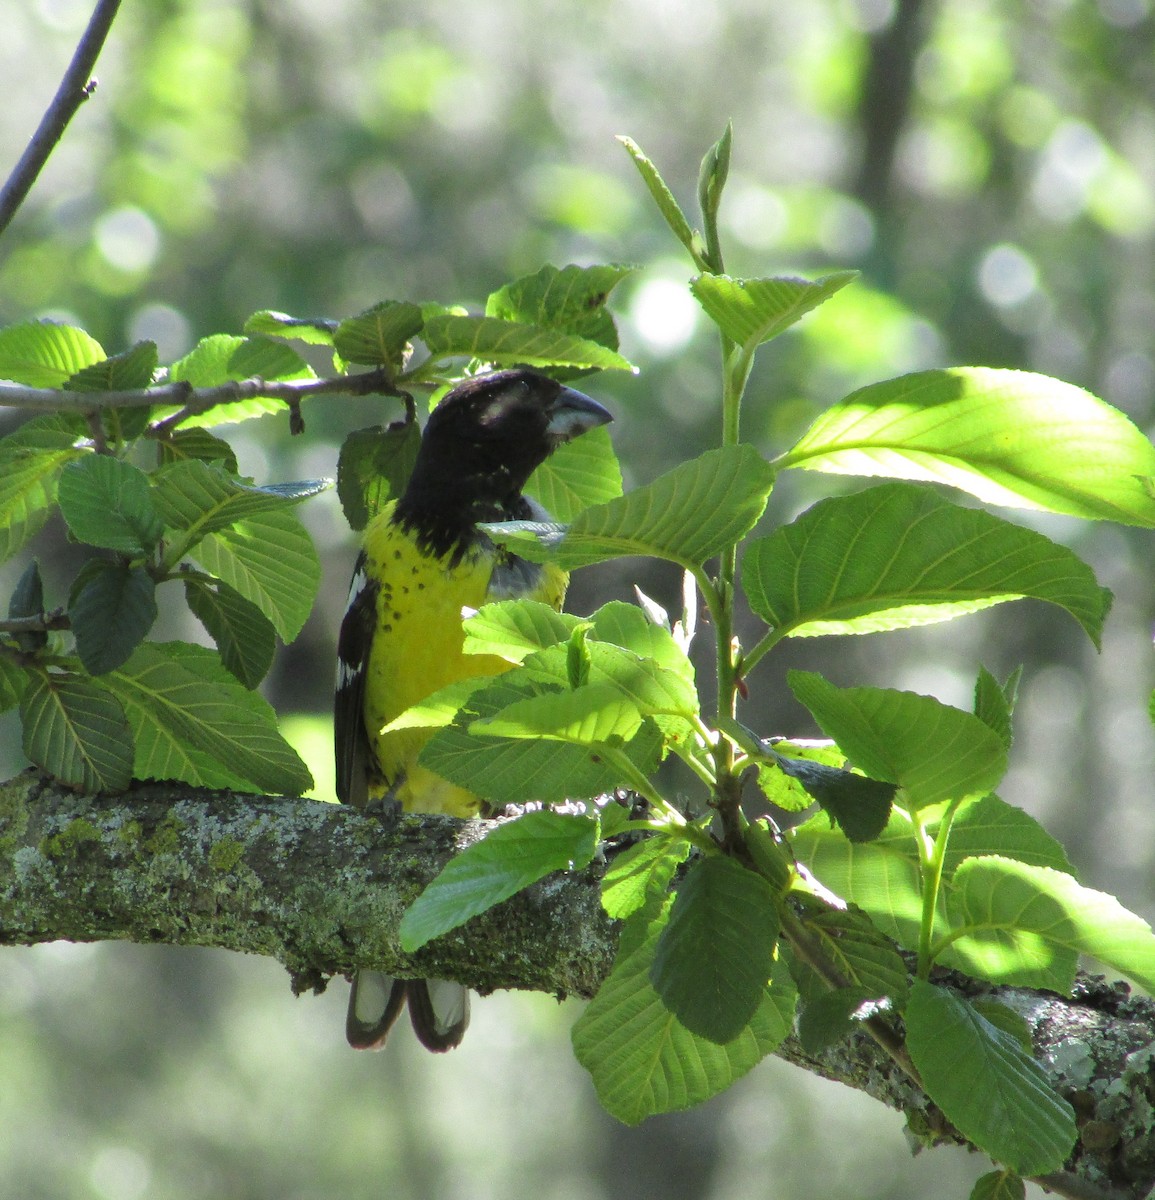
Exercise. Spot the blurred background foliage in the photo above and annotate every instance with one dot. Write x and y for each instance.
(988, 165)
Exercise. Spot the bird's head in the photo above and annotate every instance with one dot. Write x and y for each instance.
(485, 439)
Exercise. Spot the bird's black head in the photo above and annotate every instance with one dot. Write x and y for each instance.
(482, 442)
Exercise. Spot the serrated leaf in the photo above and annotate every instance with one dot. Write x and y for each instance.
(644, 1061)
(27, 600)
(899, 555)
(513, 629)
(1022, 921)
(861, 954)
(829, 1016)
(373, 467)
(932, 751)
(999, 1185)
(861, 806)
(752, 311)
(269, 559)
(107, 502)
(993, 706)
(663, 198)
(13, 681)
(200, 498)
(194, 722)
(223, 358)
(640, 873)
(1007, 437)
(1003, 1101)
(516, 771)
(42, 354)
(31, 460)
(589, 716)
(111, 609)
(132, 370)
(379, 336)
(76, 731)
(576, 475)
(243, 634)
(687, 515)
(572, 299)
(508, 859)
(714, 958)
(510, 343)
(882, 877)
(314, 331)
(199, 444)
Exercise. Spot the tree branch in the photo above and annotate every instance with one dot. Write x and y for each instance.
(322, 888)
(76, 86)
(195, 401)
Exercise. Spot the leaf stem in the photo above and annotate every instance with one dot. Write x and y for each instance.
(931, 857)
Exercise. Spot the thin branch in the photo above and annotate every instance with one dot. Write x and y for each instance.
(194, 401)
(76, 86)
(38, 623)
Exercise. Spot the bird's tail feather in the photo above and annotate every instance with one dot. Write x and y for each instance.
(438, 1008)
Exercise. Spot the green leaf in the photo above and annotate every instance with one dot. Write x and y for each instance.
(314, 331)
(643, 1060)
(687, 515)
(591, 716)
(882, 877)
(829, 1016)
(28, 601)
(374, 466)
(130, 371)
(1007, 437)
(31, 460)
(576, 475)
(194, 722)
(513, 771)
(243, 634)
(932, 751)
(999, 1185)
(111, 609)
(13, 681)
(715, 955)
(513, 629)
(1002, 1101)
(223, 358)
(861, 954)
(752, 311)
(380, 335)
(186, 444)
(200, 498)
(900, 555)
(995, 702)
(641, 873)
(76, 731)
(504, 862)
(106, 502)
(1006, 908)
(663, 198)
(861, 806)
(572, 300)
(269, 559)
(42, 354)
(510, 343)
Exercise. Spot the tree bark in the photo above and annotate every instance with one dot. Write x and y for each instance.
(322, 888)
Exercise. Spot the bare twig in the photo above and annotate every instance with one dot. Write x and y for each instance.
(39, 623)
(76, 86)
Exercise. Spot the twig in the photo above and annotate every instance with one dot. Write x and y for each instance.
(76, 86)
(194, 401)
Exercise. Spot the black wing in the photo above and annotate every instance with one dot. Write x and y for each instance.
(350, 741)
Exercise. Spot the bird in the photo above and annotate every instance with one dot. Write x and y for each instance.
(425, 562)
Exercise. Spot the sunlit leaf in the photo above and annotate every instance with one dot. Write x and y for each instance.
(42, 354)
(899, 555)
(1008, 437)
(510, 342)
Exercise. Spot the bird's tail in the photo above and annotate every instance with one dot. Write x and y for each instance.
(438, 1008)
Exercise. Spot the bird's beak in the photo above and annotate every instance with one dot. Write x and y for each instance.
(573, 413)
